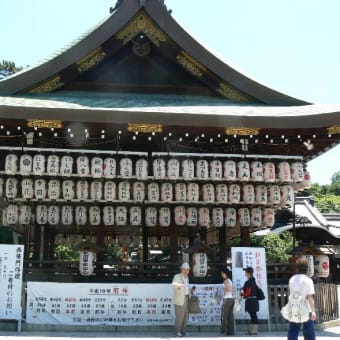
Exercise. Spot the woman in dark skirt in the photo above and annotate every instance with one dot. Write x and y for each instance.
(249, 293)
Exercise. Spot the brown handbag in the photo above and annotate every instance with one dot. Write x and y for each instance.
(194, 305)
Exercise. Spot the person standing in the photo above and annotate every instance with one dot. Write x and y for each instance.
(227, 314)
(301, 284)
(181, 292)
(249, 293)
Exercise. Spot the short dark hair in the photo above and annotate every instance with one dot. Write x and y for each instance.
(301, 266)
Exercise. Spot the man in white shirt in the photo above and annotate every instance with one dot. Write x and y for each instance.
(300, 283)
(181, 289)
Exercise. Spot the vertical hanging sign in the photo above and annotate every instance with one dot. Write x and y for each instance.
(11, 265)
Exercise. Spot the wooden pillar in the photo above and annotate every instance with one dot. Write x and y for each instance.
(173, 245)
(245, 236)
(36, 242)
(222, 235)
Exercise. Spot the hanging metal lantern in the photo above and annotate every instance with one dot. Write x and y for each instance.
(82, 190)
(192, 216)
(80, 215)
(53, 215)
(109, 167)
(41, 214)
(83, 167)
(202, 169)
(200, 264)
(121, 216)
(256, 217)
(27, 190)
(40, 189)
(166, 192)
(12, 214)
(173, 168)
(151, 216)
(274, 195)
(153, 192)
(94, 215)
(244, 217)
(39, 164)
(25, 164)
(110, 191)
(243, 171)
(108, 215)
(86, 262)
(216, 170)
(248, 194)
(221, 193)
(11, 189)
(269, 174)
(135, 216)
(158, 168)
(188, 169)
(96, 190)
(164, 217)
(261, 195)
(234, 193)
(138, 191)
(68, 190)
(230, 219)
(208, 193)
(256, 171)
(284, 172)
(229, 170)
(217, 217)
(25, 214)
(96, 167)
(53, 189)
(180, 192)
(66, 166)
(204, 217)
(179, 215)
(53, 165)
(11, 164)
(67, 215)
(142, 169)
(125, 167)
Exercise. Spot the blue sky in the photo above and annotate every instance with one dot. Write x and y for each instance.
(289, 45)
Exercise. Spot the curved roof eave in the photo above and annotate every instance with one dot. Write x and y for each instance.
(158, 12)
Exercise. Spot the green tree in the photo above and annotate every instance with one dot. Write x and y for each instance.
(9, 66)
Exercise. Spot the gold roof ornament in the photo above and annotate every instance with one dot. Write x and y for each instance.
(190, 64)
(45, 124)
(48, 86)
(145, 128)
(333, 130)
(91, 60)
(242, 131)
(141, 24)
(229, 93)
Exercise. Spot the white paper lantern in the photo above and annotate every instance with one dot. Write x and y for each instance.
(230, 219)
(27, 190)
(66, 166)
(124, 191)
(307, 183)
(268, 217)
(11, 164)
(53, 189)
(142, 169)
(204, 217)
(4, 217)
(321, 265)
(287, 195)
(86, 263)
(53, 162)
(25, 214)
(229, 170)
(97, 166)
(208, 193)
(243, 171)
(193, 192)
(180, 192)
(217, 217)
(138, 191)
(67, 215)
(83, 166)
(256, 217)
(188, 169)
(26, 164)
(108, 215)
(296, 170)
(256, 171)
(164, 217)
(53, 215)
(244, 217)
(109, 168)
(200, 264)
(166, 192)
(80, 215)
(121, 216)
(110, 191)
(82, 190)
(261, 195)
(180, 215)
(234, 193)
(41, 214)
(39, 164)
(216, 172)
(68, 190)
(96, 190)
(40, 191)
(159, 168)
(192, 216)
(151, 216)
(221, 193)
(153, 192)
(135, 216)
(284, 172)
(11, 189)
(125, 167)
(12, 214)
(94, 215)
(1, 186)
(269, 173)
(248, 194)
(274, 195)
(173, 168)
(202, 169)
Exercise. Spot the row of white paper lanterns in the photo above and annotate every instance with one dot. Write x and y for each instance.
(109, 216)
(190, 169)
(166, 192)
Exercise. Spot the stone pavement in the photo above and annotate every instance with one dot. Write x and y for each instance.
(327, 334)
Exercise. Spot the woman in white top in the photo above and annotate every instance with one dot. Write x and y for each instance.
(227, 315)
